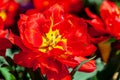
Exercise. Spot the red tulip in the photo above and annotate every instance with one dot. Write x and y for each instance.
(4, 42)
(8, 10)
(108, 21)
(52, 41)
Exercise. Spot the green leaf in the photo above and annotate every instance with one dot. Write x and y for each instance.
(7, 75)
(98, 2)
(118, 52)
(112, 40)
(84, 76)
(111, 67)
(3, 61)
(117, 2)
(9, 53)
(93, 4)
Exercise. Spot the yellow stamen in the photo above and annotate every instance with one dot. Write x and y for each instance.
(3, 15)
(50, 39)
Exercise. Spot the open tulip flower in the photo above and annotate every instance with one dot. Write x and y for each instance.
(4, 42)
(7, 13)
(53, 41)
(8, 10)
(108, 22)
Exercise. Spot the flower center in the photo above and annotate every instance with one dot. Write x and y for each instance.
(52, 39)
(3, 15)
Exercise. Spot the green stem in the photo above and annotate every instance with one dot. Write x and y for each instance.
(36, 75)
(77, 67)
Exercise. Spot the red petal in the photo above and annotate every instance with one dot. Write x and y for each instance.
(1, 24)
(26, 59)
(96, 22)
(16, 40)
(5, 43)
(61, 74)
(2, 52)
(56, 13)
(44, 4)
(30, 29)
(73, 62)
(108, 8)
(110, 14)
(55, 52)
(90, 14)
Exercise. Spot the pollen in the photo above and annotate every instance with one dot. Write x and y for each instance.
(3, 15)
(51, 39)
